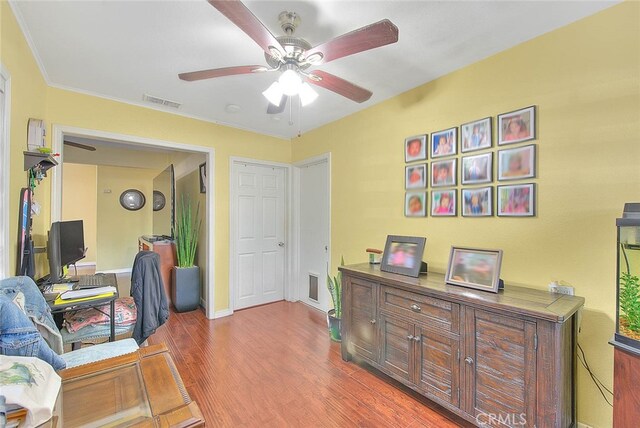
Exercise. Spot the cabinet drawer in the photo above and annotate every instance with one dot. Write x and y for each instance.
(435, 313)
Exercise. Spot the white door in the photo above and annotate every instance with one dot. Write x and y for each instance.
(258, 224)
(314, 199)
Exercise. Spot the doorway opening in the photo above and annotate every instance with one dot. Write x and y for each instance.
(60, 133)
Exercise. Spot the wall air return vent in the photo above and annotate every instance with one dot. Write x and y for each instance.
(160, 101)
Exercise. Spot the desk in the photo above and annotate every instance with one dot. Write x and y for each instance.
(93, 303)
(141, 389)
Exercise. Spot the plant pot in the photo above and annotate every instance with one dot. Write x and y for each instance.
(185, 294)
(335, 325)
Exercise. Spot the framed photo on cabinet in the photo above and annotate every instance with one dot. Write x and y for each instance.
(474, 268)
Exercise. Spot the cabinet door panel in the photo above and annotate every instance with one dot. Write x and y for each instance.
(362, 334)
(502, 368)
(396, 347)
(438, 373)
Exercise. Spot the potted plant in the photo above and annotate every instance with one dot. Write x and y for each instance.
(334, 316)
(185, 293)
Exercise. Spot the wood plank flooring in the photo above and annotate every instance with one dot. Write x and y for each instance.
(274, 366)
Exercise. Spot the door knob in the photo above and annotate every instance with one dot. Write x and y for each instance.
(280, 244)
(468, 360)
(372, 321)
(415, 308)
(410, 337)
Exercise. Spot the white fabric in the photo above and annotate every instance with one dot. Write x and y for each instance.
(31, 383)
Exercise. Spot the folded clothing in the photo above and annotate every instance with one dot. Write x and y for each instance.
(125, 310)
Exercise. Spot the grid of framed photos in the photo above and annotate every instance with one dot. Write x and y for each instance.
(510, 162)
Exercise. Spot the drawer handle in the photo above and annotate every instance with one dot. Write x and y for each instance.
(372, 321)
(416, 338)
(468, 360)
(410, 337)
(415, 308)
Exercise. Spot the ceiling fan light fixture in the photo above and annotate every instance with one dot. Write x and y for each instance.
(274, 94)
(290, 82)
(307, 94)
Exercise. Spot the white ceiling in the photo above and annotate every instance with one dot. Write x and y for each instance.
(123, 49)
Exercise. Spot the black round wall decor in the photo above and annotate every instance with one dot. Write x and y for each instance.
(132, 199)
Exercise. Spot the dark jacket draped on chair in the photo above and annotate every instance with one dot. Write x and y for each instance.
(148, 293)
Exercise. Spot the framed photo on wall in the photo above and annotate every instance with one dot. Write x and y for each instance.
(477, 202)
(518, 163)
(444, 143)
(517, 200)
(443, 173)
(477, 169)
(415, 204)
(415, 176)
(517, 126)
(415, 148)
(443, 203)
(475, 135)
(474, 268)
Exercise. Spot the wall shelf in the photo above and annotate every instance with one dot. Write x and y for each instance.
(45, 160)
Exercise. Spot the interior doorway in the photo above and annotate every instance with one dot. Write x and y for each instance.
(258, 232)
(313, 196)
(60, 132)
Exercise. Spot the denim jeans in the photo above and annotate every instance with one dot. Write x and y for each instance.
(19, 337)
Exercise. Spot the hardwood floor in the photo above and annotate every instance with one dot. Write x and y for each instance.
(274, 365)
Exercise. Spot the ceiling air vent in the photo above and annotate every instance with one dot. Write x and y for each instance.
(160, 101)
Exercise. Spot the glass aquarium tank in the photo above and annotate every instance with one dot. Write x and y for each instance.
(628, 279)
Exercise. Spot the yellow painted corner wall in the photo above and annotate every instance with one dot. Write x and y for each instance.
(189, 186)
(28, 100)
(80, 202)
(585, 81)
(84, 111)
(118, 229)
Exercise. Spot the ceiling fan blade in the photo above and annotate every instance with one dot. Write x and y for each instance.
(339, 86)
(219, 72)
(238, 13)
(274, 109)
(372, 36)
(80, 146)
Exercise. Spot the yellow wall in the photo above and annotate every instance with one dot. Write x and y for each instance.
(585, 80)
(118, 229)
(79, 202)
(28, 99)
(189, 186)
(74, 109)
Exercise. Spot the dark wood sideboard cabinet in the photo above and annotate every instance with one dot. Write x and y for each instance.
(505, 359)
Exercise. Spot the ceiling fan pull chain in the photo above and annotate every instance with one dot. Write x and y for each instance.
(291, 112)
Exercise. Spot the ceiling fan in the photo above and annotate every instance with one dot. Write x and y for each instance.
(293, 56)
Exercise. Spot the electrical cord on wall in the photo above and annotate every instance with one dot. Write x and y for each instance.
(601, 386)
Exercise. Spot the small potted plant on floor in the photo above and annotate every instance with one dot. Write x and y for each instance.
(186, 276)
(334, 316)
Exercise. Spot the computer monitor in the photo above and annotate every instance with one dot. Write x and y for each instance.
(65, 246)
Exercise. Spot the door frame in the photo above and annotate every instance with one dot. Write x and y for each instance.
(295, 262)
(234, 162)
(5, 189)
(60, 131)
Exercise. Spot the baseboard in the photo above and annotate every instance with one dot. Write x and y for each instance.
(85, 264)
(125, 270)
(223, 313)
(581, 425)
